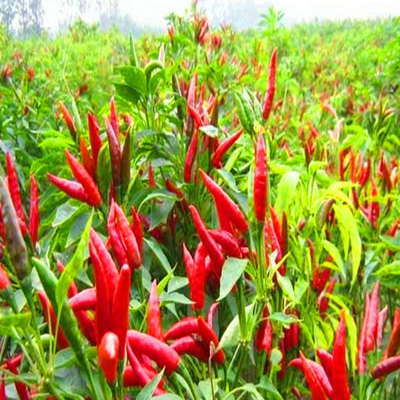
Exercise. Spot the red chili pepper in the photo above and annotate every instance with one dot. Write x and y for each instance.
(137, 229)
(159, 352)
(115, 238)
(326, 360)
(34, 217)
(68, 119)
(210, 339)
(339, 374)
(269, 95)
(108, 356)
(152, 181)
(381, 325)
(2, 229)
(87, 326)
(84, 300)
(224, 221)
(393, 228)
(223, 148)
(275, 222)
(190, 157)
(317, 392)
(394, 340)
(230, 209)
(3, 395)
(196, 116)
(209, 243)
(187, 345)
(4, 279)
(185, 327)
(227, 241)
(108, 265)
(199, 277)
(51, 319)
(190, 271)
(260, 181)
(115, 153)
(323, 301)
(15, 192)
(21, 388)
(386, 367)
(83, 177)
(87, 160)
(361, 361)
(129, 240)
(73, 189)
(114, 118)
(319, 374)
(365, 173)
(295, 331)
(103, 296)
(371, 331)
(95, 140)
(154, 315)
(211, 313)
(120, 310)
(263, 339)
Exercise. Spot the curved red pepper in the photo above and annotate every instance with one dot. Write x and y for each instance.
(72, 189)
(108, 356)
(269, 95)
(317, 392)
(222, 149)
(208, 336)
(185, 327)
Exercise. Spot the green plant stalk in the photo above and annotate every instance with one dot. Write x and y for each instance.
(185, 374)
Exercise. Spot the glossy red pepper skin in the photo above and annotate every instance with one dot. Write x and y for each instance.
(15, 192)
(21, 388)
(83, 177)
(159, 352)
(84, 300)
(4, 279)
(86, 159)
(269, 95)
(119, 250)
(326, 360)
(230, 209)
(68, 120)
(209, 243)
(73, 189)
(129, 240)
(228, 242)
(185, 327)
(190, 157)
(154, 327)
(187, 345)
(394, 340)
(317, 392)
(386, 367)
(120, 310)
(103, 296)
(319, 373)
(361, 359)
(339, 374)
(211, 314)
(196, 116)
(114, 118)
(372, 327)
(34, 217)
(260, 181)
(137, 229)
(115, 154)
(223, 148)
(208, 336)
(95, 140)
(171, 187)
(108, 356)
(381, 325)
(263, 339)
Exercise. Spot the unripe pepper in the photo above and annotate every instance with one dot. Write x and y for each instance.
(108, 356)
(154, 315)
(115, 154)
(260, 181)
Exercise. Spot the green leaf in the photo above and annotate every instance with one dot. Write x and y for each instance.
(147, 392)
(286, 191)
(231, 272)
(268, 386)
(335, 254)
(10, 322)
(74, 266)
(286, 286)
(156, 249)
(285, 319)
(135, 78)
(63, 214)
(127, 93)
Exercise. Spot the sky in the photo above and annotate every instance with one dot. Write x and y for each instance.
(153, 12)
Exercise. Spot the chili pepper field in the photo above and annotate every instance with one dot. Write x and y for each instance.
(202, 213)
